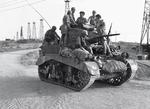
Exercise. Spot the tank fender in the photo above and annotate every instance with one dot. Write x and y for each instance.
(93, 68)
(41, 60)
(134, 66)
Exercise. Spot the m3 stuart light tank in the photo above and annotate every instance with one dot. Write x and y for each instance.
(76, 74)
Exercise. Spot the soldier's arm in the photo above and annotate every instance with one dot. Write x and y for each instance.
(57, 36)
(86, 21)
(89, 19)
(77, 21)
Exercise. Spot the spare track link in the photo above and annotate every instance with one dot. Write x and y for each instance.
(56, 73)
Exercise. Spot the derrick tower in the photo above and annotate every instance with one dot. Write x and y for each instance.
(29, 31)
(67, 6)
(17, 35)
(41, 32)
(21, 33)
(34, 36)
(146, 22)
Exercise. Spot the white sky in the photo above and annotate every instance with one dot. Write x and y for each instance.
(125, 15)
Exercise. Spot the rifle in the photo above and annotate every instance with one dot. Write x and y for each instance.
(99, 37)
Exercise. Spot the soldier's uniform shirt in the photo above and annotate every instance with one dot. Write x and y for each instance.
(73, 16)
(92, 20)
(66, 20)
(100, 27)
(81, 20)
(63, 29)
(51, 36)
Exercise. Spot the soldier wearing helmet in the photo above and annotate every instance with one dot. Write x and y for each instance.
(51, 36)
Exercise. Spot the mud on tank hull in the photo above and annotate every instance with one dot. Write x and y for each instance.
(79, 76)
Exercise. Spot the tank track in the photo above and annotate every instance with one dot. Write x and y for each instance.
(121, 77)
(64, 75)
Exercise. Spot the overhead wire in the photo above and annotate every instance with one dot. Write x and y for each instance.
(7, 6)
(12, 4)
(8, 1)
(24, 5)
(38, 12)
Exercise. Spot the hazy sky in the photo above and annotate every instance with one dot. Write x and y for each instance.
(125, 15)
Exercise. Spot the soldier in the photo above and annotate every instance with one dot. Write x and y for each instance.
(82, 51)
(72, 12)
(72, 18)
(51, 37)
(92, 18)
(100, 27)
(81, 20)
(65, 27)
(72, 21)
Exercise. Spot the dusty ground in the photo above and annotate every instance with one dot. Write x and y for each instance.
(20, 88)
(6, 46)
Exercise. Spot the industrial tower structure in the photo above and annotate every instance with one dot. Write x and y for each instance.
(41, 31)
(17, 35)
(67, 6)
(146, 22)
(28, 31)
(145, 27)
(21, 33)
(34, 35)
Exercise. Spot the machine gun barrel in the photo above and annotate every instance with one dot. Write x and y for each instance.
(98, 38)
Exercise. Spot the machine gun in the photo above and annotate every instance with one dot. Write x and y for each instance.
(99, 37)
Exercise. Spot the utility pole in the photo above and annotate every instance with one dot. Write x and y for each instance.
(41, 31)
(28, 31)
(34, 36)
(67, 6)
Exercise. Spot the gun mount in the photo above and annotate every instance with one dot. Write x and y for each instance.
(97, 38)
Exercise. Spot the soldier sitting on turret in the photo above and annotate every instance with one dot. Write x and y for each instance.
(92, 18)
(81, 20)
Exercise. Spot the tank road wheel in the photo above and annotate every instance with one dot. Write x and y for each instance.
(57, 73)
(118, 80)
(83, 80)
(43, 71)
(121, 77)
(50, 71)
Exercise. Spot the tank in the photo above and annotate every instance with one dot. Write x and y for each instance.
(79, 75)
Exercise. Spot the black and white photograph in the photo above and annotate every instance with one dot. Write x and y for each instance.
(74, 54)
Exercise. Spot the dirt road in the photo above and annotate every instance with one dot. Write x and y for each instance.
(20, 88)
